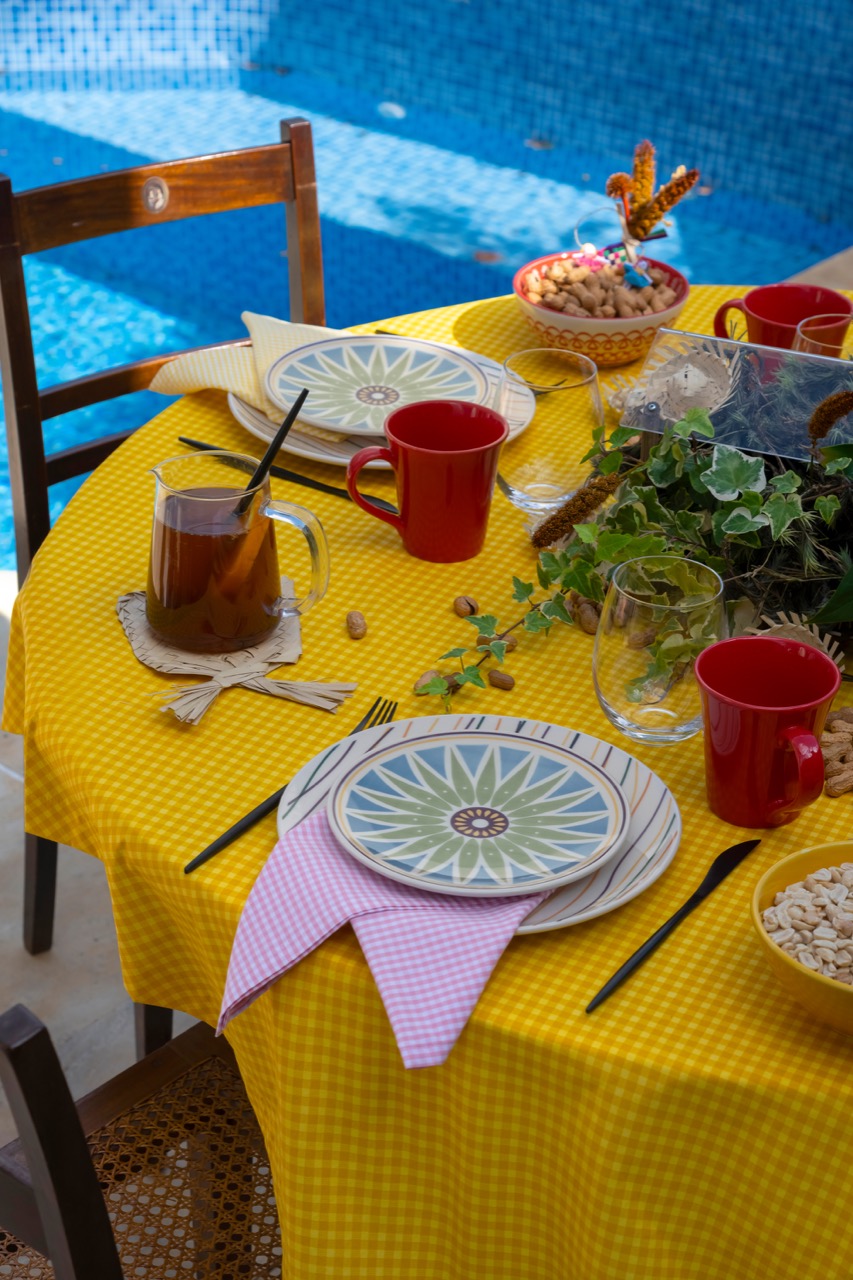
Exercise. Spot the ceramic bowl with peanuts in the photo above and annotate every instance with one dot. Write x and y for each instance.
(802, 911)
(560, 295)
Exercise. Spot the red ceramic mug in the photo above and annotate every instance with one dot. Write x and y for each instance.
(764, 702)
(773, 311)
(445, 459)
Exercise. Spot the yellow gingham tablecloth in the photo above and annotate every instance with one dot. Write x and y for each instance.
(697, 1126)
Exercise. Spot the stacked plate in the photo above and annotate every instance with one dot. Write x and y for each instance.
(354, 381)
(494, 807)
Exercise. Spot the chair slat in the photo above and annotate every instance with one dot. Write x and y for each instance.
(141, 197)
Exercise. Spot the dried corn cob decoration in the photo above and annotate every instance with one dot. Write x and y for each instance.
(643, 186)
(646, 217)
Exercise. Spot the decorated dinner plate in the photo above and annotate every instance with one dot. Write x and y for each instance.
(356, 380)
(480, 814)
(337, 449)
(654, 822)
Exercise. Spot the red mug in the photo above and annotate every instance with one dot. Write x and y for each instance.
(773, 311)
(764, 700)
(445, 459)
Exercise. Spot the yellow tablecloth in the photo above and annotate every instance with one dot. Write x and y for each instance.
(697, 1126)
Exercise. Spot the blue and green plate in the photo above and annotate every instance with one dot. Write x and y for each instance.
(482, 814)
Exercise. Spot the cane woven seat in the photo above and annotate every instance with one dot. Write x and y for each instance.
(184, 1176)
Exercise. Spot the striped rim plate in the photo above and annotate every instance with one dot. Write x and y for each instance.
(654, 828)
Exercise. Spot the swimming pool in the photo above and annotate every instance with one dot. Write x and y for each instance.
(449, 152)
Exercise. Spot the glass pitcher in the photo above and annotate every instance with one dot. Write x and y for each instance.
(213, 581)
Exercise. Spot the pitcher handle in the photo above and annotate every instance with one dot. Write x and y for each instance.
(312, 531)
(722, 312)
(359, 460)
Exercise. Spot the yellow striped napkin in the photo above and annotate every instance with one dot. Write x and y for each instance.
(240, 369)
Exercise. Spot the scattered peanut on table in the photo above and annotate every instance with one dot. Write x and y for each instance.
(812, 921)
(356, 625)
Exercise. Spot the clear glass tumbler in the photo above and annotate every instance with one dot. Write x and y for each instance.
(541, 469)
(660, 612)
(825, 336)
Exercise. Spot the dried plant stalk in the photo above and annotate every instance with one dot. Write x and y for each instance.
(588, 499)
(646, 217)
(643, 184)
(827, 413)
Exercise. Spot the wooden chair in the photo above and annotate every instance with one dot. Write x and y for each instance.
(160, 1172)
(47, 217)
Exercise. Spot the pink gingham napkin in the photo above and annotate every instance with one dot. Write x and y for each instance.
(430, 954)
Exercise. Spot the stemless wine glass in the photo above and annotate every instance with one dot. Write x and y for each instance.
(826, 335)
(541, 469)
(660, 612)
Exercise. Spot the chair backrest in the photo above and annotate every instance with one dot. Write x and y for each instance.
(67, 212)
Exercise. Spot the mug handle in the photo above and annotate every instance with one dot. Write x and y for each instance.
(312, 531)
(360, 460)
(720, 330)
(810, 774)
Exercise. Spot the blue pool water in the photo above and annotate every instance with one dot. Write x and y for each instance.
(454, 142)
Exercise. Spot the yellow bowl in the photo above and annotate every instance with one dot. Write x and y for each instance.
(826, 999)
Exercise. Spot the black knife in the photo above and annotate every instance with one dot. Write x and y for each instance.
(717, 872)
(283, 474)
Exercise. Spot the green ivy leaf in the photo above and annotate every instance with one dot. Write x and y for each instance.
(498, 649)
(581, 577)
(536, 621)
(688, 524)
(486, 624)
(556, 608)
(610, 462)
(781, 510)
(648, 544)
(453, 653)
(828, 508)
(696, 422)
(787, 482)
(839, 466)
(471, 675)
(741, 521)
(662, 470)
(610, 546)
(621, 436)
(732, 472)
(437, 685)
(586, 532)
(521, 590)
(542, 575)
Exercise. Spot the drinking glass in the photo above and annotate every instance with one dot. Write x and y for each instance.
(541, 468)
(660, 612)
(826, 335)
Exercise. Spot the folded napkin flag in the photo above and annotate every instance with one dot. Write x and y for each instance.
(240, 369)
(431, 954)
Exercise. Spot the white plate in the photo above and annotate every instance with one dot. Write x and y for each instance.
(337, 452)
(357, 379)
(654, 829)
(478, 814)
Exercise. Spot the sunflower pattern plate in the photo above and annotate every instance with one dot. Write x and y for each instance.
(354, 382)
(479, 814)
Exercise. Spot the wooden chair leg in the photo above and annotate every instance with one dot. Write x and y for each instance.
(39, 893)
(153, 1026)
